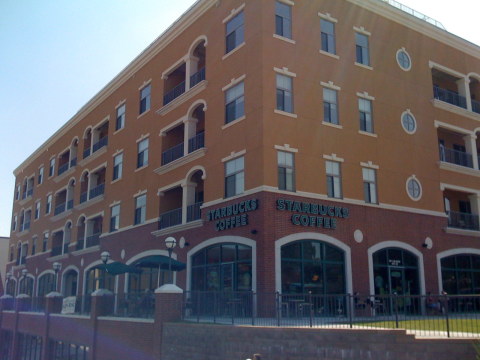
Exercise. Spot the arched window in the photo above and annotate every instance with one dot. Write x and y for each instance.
(46, 284)
(461, 274)
(222, 267)
(70, 283)
(98, 278)
(311, 265)
(26, 286)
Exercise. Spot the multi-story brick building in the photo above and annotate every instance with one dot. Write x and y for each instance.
(293, 146)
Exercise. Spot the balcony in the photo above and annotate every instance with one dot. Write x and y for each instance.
(196, 142)
(450, 97)
(70, 204)
(100, 144)
(174, 93)
(170, 218)
(86, 153)
(93, 240)
(80, 243)
(465, 221)
(60, 208)
(73, 162)
(56, 251)
(97, 191)
(194, 212)
(476, 106)
(172, 154)
(197, 77)
(63, 168)
(455, 157)
(83, 197)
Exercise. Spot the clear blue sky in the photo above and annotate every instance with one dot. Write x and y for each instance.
(57, 54)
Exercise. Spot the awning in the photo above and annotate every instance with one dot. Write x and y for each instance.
(162, 261)
(117, 268)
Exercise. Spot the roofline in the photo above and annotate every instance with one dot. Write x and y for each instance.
(178, 26)
(198, 9)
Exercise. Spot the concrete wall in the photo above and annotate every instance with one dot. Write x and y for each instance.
(214, 342)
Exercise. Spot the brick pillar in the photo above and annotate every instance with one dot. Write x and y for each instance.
(102, 305)
(53, 305)
(168, 308)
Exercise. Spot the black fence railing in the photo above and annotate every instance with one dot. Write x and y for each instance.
(450, 97)
(456, 157)
(140, 304)
(438, 315)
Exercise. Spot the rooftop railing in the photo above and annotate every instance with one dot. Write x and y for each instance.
(415, 13)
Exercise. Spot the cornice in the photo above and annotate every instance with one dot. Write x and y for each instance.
(173, 31)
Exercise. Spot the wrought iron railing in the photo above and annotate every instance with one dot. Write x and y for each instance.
(63, 168)
(450, 97)
(100, 144)
(457, 157)
(93, 240)
(170, 218)
(172, 154)
(138, 304)
(196, 142)
(462, 220)
(194, 212)
(174, 93)
(198, 77)
(97, 191)
(60, 208)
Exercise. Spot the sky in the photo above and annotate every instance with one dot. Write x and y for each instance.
(55, 55)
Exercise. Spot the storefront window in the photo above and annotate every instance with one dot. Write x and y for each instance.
(71, 283)
(98, 278)
(46, 284)
(222, 267)
(461, 274)
(315, 266)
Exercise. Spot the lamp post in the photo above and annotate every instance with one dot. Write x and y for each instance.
(170, 243)
(56, 267)
(105, 256)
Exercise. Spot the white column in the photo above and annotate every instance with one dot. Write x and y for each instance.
(191, 67)
(189, 131)
(188, 198)
(464, 90)
(475, 205)
(471, 147)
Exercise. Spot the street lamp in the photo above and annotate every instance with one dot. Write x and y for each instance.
(105, 256)
(170, 243)
(56, 267)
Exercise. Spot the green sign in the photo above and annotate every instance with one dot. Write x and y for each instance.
(313, 214)
(232, 216)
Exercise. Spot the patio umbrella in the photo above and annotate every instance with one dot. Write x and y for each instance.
(117, 268)
(162, 262)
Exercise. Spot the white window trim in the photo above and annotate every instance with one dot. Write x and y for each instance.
(143, 137)
(174, 66)
(408, 112)
(402, 49)
(139, 192)
(287, 2)
(336, 126)
(234, 155)
(369, 165)
(434, 65)
(145, 84)
(323, 52)
(115, 203)
(101, 122)
(285, 71)
(331, 85)
(120, 103)
(374, 135)
(362, 30)
(327, 16)
(365, 95)
(118, 152)
(285, 113)
(103, 165)
(444, 186)
(286, 148)
(93, 216)
(443, 125)
(233, 51)
(231, 123)
(233, 13)
(288, 40)
(333, 157)
(413, 177)
(234, 82)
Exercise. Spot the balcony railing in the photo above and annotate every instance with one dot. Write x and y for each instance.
(476, 106)
(196, 142)
(63, 168)
(97, 191)
(69, 204)
(93, 240)
(73, 162)
(26, 226)
(60, 208)
(65, 248)
(80, 244)
(197, 77)
(83, 197)
(461, 220)
(29, 192)
(455, 157)
(56, 250)
(170, 218)
(172, 154)
(450, 97)
(174, 93)
(86, 153)
(194, 212)
(100, 144)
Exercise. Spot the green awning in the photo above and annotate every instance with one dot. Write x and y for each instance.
(117, 268)
(162, 261)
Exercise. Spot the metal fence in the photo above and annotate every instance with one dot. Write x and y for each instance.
(436, 316)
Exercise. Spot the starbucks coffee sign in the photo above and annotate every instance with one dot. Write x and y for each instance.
(232, 216)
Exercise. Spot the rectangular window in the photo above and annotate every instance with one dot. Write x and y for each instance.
(51, 169)
(37, 210)
(365, 113)
(14, 223)
(234, 177)
(234, 103)
(140, 209)
(17, 193)
(120, 122)
(362, 50)
(286, 171)
(34, 245)
(334, 180)
(40, 175)
(115, 218)
(327, 29)
(48, 206)
(283, 20)
(145, 99)
(142, 157)
(235, 32)
(330, 109)
(284, 93)
(369, 185)
(44, 242)
(117, 166)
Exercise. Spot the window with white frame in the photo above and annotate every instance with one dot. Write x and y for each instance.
(362, 49)
(18, 192)
(369, 185)
(48, 206)
(45, 242)
(115, 218)
(40, 175)
(142, 156)
(235, 32)
(286, 171)
(120, 121)
(14, 222)
(330, 108)
(365, 113)
(234, 103)
(51, 169)
(283, 20)
(284, 93)
(117, 166)
(414, 188)
(34, 245)
(37, 209)
(327, 29)
(145, 98)
(234, 177)
(334, 179)
(140, 209)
